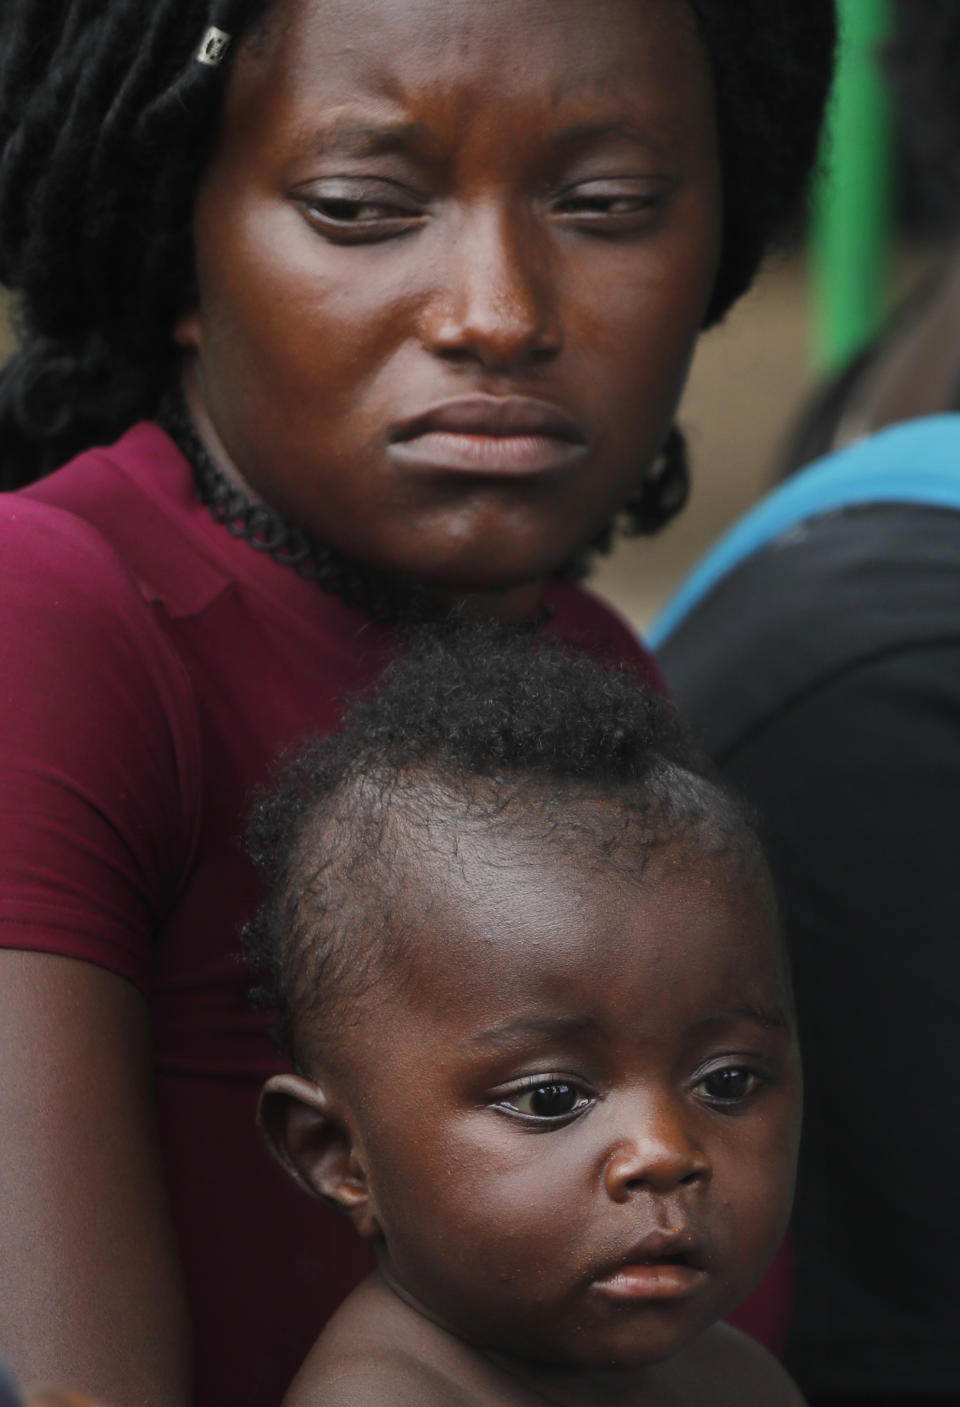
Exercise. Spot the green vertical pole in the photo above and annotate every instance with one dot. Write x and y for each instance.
(853, 208)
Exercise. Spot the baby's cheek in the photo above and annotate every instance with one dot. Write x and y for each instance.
(502, 1219)
(758, 1208)
(754, 1162)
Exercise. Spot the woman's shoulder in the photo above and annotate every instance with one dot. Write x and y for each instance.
(48, 547)
(62, 579)
(122, 528)
(99, 746)
(583, 619)
(76, 624)
(130, 508)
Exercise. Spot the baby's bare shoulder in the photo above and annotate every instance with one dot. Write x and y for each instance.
(378, 1352)
(737, 1369)
(384, 1380)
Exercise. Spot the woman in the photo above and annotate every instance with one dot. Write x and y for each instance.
(411, 291)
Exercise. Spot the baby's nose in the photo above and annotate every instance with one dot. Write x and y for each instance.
(656, 1150)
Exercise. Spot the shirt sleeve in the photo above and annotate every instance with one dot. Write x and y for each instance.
(99, 762)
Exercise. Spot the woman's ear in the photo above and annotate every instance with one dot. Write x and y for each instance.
(186, 330)
(307, 1131)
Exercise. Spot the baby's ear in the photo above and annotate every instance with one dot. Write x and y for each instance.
(307, 1131)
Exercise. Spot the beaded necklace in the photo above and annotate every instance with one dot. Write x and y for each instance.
(385, 598)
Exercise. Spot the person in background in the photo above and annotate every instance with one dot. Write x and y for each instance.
(817, 651)
(342, 314)
(912, 369)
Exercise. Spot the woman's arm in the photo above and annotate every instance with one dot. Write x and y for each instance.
(96, 812)
(92, 1295)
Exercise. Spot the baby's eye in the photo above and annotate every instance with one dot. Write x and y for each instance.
(548, 1100)
(729, 1084)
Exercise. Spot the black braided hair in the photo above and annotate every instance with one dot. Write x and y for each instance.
(106, 123)
(664, 490)
(773, 67)
(474, 728)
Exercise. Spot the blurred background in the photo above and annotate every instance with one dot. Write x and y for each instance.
(880, 249)
(750, 382)
(886, 219)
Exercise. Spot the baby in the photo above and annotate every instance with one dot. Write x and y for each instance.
(528, 965)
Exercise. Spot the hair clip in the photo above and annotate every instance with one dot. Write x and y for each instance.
(215, 44)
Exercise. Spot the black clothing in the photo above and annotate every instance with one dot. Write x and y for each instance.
(823, 675)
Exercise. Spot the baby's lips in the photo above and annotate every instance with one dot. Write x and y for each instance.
(674, 1244)
(651, 1280)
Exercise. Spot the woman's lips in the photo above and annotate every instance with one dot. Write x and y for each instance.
(485, 454)
(511, 436)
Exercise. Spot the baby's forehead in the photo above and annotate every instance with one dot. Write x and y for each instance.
(414, 894)
(553, 959)
(502, 908)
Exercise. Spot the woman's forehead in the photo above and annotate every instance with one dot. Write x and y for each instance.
(398, 54)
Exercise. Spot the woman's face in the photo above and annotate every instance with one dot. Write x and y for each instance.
(452, 256)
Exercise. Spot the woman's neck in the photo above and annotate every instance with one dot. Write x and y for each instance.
(394, 601)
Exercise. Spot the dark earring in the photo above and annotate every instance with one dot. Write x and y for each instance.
(664, 490)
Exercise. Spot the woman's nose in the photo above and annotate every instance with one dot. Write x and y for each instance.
(497, 304)
(656, 1151)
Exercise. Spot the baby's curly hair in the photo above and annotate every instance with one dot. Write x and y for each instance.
(107, 122)
(475, 728)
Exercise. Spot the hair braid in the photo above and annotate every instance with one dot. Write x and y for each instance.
(773, 66)
(105, 124)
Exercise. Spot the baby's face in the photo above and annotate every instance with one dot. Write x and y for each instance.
(579, 1116)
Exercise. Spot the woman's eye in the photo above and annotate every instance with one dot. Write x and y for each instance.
(607, 206)
(344, 213)
(552, 1099)
(729, 1084)
(353, 212)
(604, 205)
